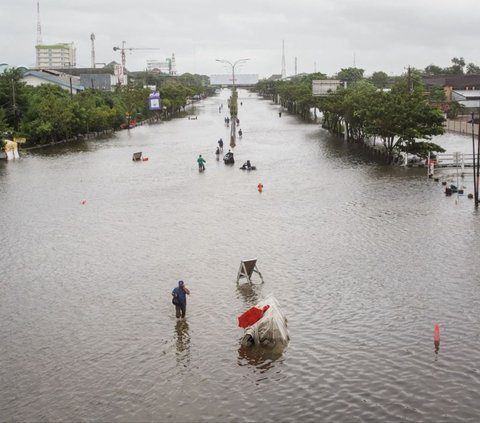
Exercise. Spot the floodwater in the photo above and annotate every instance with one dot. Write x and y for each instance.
(363, 258)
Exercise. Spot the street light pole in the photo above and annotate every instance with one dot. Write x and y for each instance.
(233, 100)
(232, 66)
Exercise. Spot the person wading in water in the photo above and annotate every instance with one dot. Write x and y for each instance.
(179, 299)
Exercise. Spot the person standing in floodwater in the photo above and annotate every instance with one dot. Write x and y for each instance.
(180, 293)
(201, 163)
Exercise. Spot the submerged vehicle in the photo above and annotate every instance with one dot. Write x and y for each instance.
(228, 158)
(248, 166)
(267, 325)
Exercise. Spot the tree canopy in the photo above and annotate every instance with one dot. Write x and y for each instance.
(402, 118)
(48, 113)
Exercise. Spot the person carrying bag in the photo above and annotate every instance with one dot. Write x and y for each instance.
(179, 299)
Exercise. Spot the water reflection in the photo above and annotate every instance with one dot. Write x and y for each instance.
(249, 293)
(67, 148)
(182, 342)
(260, 357)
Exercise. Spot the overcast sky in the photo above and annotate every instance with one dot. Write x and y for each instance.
(324, 35)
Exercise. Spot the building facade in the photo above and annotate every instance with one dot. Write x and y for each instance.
(56, 56)
(167, 67)
(67, 82)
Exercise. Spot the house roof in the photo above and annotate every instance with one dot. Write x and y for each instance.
(80, 71)
(454, 81)
(52, 79)
(467, 94)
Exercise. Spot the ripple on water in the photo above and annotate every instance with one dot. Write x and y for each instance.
(364, 260)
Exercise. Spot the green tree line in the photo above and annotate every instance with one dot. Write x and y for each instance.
(48, 113)
(401, 117)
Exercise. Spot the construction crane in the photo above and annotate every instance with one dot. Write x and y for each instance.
(123, 48)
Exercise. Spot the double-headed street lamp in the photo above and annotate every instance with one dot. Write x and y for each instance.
(233, 67)
(233, 100)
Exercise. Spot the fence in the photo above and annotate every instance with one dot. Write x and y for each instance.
(461, 126)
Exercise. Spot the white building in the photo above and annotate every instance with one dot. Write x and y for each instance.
(168, 66)
(67, 82)
(56, 56)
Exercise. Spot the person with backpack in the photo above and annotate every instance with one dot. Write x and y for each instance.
(179, 299)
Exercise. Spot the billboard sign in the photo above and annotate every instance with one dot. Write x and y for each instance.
(154, 101)
(323, 87)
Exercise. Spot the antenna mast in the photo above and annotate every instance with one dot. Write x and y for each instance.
(39, 27)
(284, 71)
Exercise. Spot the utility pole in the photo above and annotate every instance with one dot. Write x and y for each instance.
(476, 160)
(478, 164)
(409, 80)
(14, 104)
(475, 193)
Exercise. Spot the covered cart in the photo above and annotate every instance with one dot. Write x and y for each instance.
(264, 324)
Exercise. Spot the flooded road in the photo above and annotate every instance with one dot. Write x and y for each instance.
(363, 258)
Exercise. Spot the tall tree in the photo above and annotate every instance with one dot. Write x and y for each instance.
(457, 66)
(12, 96)
(350, 74)
(473, 69)
(433, 70)
(404, 117)
(379, 79)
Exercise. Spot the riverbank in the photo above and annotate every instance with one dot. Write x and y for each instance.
(90, 135)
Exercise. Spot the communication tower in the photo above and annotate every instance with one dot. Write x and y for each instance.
(284, 71)
(39, 27)
(92, 37)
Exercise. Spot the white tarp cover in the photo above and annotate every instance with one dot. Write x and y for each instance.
(11, 149)
(271, 329)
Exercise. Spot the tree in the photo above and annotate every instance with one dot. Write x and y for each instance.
(403, 117)
(433, 70)
(50, 115)
(457, 66)
(379, 79)
(455, 109)
(332, 107)
(422, 148)
(436, 94)
(473, 69)
(12, 96)
(6, 131)
(350, 74)
(357, 102)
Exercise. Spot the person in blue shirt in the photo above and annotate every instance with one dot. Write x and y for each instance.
(180, 299)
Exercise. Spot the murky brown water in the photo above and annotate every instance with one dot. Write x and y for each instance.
(364, 259)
